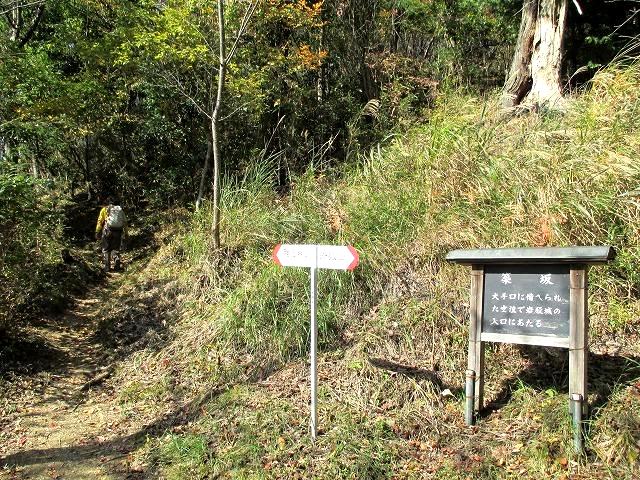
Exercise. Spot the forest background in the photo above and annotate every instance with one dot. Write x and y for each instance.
(376, 123)
(116, 97)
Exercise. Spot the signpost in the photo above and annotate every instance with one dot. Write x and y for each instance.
(531, 296)
(333, 257)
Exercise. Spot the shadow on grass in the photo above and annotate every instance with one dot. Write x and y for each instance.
(408, 370)
(22, 355)
(604, 374)
(115, 448)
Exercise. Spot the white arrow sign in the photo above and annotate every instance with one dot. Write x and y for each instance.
(334, 257)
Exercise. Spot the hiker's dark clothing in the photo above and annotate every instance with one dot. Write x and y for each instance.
(110, 239)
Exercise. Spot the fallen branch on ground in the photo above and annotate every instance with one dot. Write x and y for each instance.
(97, 379)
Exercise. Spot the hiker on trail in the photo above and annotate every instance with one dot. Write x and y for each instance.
(112, 231)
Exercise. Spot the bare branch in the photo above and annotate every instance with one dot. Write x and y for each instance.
(273, 134)
(243, 27)
(33, 26)
(234, 112)
(9, 19)
(172, 78)
(578, 7)
(11, 8)
(626, 21)
(202, 35)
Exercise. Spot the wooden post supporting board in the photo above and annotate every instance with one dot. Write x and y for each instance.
(530, 296)
(476, 347)
(578, 334)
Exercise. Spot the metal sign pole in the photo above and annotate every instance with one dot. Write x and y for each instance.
(314, 346)
(333, 257)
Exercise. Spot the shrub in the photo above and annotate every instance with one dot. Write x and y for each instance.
(30, 229)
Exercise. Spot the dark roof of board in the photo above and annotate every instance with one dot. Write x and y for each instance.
(599, 254)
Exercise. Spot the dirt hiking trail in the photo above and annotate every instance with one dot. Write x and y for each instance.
(64, 421)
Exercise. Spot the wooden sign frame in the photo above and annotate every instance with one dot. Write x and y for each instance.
(578, 260)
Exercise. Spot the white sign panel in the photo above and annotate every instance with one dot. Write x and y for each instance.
(334, 257)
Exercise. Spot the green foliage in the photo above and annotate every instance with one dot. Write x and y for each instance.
(423, 48)
(112, 96)
(467, 41)
(186, 455)
(30, 227)
(616, 435)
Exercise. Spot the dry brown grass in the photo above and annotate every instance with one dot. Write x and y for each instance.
(393, 334)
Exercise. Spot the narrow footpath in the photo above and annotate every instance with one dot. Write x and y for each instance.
(63, 421)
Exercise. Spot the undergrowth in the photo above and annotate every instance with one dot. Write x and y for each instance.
(30, 238)
(393, 332)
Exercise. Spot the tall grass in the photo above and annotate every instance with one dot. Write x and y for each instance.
(467, 178)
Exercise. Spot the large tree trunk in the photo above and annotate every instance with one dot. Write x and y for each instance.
(546, 61)
(534, 77)
(518, 81)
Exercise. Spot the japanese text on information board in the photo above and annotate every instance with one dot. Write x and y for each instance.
(526, 300)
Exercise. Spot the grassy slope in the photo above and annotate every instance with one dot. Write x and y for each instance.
(393, 333)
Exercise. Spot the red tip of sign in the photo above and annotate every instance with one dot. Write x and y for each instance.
(274, 254)
(356, 258)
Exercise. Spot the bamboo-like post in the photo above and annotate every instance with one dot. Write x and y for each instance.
(470, 395)
(576, 414)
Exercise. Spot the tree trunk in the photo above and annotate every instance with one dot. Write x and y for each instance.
(87, 166)
(534, 77)
(322, 71)
(34, 166)
(518, 81)
(395, 30)
(546, 60)
(16, 21)
(215, 226)
(369, 87)
(222, 69)
(205, 171)
(4, 149)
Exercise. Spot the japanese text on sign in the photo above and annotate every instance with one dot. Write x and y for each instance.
(526, 300)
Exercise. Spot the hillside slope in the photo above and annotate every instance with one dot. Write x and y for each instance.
(228, 370)
(393, 333)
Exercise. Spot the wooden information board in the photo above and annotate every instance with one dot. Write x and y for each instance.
(531, 296)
